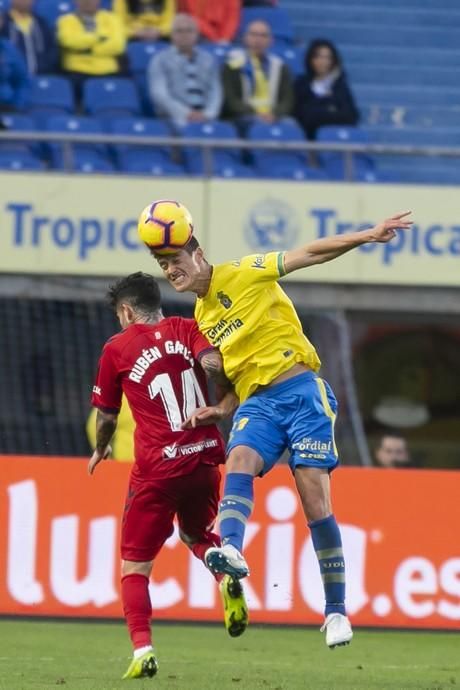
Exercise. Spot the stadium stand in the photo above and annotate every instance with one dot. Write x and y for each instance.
(86, 157)
(285, 164)
(152, 160)
(225, 162)
(402, 66)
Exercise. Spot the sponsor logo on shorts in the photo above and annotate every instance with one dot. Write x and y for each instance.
(175, 451)
(97, 390)
(315, 449)
(241, 423)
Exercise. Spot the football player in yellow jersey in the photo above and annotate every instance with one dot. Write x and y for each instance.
(283, 403)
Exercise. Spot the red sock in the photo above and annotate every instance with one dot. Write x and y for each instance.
(200, 549)
(137, 608)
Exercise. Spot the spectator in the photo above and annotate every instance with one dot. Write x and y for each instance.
(146, 20)
(217, 21)
(322, 94)
(257, 84)
(184, 81)
(92, 42)
(14, 80)
(31, 36)
(392, 451)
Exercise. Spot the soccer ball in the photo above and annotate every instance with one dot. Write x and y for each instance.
(165, 226)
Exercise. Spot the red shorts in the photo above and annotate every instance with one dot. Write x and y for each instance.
(151, 507)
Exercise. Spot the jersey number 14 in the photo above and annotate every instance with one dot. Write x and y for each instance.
(192, 397)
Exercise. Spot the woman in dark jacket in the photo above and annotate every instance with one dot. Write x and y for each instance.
(322, 94)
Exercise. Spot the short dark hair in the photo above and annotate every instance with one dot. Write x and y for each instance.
(313, 48)
(139, 289)
(190, 247)
(390, 434)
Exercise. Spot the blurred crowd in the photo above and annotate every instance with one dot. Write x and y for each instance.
(185, 82)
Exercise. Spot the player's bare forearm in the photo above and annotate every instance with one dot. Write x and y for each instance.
(228, 404)
(105, 428)
(214, 370)
(329, 248)
(213, 414)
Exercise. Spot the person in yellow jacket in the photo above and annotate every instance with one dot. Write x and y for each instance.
(123, 439)
(91, 42)
(146, 20)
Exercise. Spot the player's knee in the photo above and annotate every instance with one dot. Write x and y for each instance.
(245, 460)
(136, 568)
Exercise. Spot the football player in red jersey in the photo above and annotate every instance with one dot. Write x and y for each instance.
(161, 365)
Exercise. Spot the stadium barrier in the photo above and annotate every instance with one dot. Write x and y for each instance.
(59, 548)
(207, 146)
(79, 225)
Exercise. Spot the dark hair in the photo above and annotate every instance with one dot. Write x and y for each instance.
(190, 247)
(313, 49)
(139, 289)
(391, 434)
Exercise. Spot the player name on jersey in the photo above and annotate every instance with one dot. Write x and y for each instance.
(152, 354)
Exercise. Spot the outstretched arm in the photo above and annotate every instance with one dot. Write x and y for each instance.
(320, 251)
(105, 427)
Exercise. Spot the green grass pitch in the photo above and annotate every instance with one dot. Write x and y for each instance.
(45, 655)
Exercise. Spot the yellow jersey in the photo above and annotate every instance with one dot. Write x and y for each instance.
(247, 315)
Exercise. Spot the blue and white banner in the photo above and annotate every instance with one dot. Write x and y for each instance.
(87, 225)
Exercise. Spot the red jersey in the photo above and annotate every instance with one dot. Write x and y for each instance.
(157, 367)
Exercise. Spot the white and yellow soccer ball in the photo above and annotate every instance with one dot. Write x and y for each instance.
(165, 226)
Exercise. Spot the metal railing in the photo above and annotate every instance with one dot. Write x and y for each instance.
(207, 146)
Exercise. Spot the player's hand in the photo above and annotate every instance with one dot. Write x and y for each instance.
(204, 416)
(97, 457)
(384, 232)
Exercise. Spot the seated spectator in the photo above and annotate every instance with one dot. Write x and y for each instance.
(32, 36)
(392, 451)
(92, 42)
(217, 21)
(184, 80)
(257, 84)
(14, 80)
(146, 20)
(322, 94)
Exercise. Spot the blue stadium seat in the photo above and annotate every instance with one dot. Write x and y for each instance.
(143, 159)
(414, 136)
(19, 123)
(51, 95)
(334, 162)
(86, 157)
(51, 10)
(19, 160)
(278, 19)
(155, 167)
(225, 162)
(293, 56)
(4, 5)
(116, 96)
(285, 164)
(218, 50)
(141, 52)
